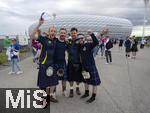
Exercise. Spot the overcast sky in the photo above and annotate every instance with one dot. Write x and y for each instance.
(17, 15)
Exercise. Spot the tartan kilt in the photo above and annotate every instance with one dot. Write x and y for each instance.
(74, 72)
(64, 67)
(128, 49)
(44, 80)
(120, 44)
(94, 75)
(134, 49)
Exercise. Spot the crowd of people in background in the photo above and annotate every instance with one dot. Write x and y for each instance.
(131, 45)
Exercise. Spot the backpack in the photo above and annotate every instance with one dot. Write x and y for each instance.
(109, 45)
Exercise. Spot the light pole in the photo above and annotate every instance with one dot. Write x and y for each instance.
(144, 18)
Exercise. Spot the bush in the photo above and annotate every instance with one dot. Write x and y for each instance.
(3, 58)
(24, 50)
(148, 44)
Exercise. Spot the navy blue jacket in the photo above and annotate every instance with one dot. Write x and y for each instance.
(48, 50)
(73, 52)
(128, 43)
(86, 52)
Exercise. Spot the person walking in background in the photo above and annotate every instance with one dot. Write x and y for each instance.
(142, 43)
(33, 44)
(108, 46)
(96, 50)
(115, 41)
(36, 49)
(102, 46)
(14, 54)
(98, 47)
(127, 45)
(134, 47)
(120, 43)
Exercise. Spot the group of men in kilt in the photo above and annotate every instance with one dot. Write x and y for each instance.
(80, 66)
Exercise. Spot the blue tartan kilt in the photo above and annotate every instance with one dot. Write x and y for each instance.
(94, 76)
(64, 67)
(44, 80)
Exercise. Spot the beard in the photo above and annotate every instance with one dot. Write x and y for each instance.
(62, 37)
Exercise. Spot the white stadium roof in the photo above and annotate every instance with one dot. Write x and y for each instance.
(118, 27)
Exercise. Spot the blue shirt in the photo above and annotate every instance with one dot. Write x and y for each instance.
(17, 48)
(60, 52)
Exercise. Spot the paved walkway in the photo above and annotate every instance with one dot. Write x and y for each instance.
(125, 85)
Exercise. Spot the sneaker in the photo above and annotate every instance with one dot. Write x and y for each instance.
(19, 72)
(106, 63)
(11, 72)
(78, 91)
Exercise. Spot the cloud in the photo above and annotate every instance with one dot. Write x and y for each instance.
(18, 15)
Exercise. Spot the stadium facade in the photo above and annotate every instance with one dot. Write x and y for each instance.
(118, 27)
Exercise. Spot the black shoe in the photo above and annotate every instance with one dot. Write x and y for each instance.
(86, 94)
(71, 93)
(52, 99)
(90, 100)
(78, 91)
